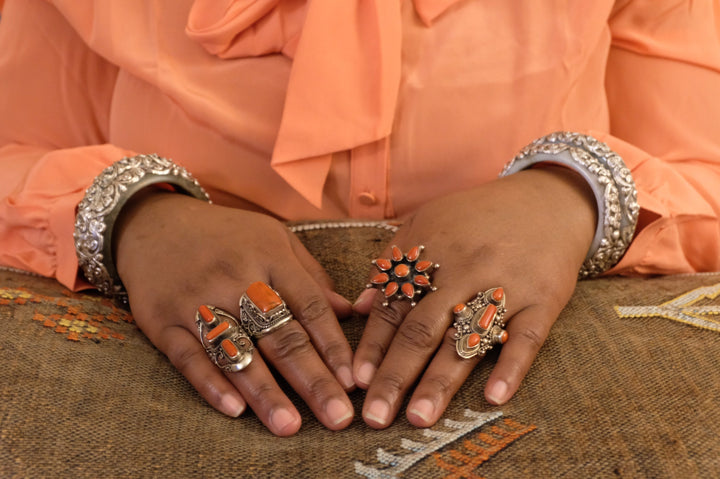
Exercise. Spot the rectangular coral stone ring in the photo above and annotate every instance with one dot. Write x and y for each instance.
(262, 310)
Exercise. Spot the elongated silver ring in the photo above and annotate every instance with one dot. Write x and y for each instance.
(225, 341)
(479, 323)
(262, 310)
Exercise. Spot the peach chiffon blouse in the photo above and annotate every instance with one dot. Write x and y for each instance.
(321, 109)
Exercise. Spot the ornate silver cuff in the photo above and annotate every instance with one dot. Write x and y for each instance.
(611, 183)
(101, 206)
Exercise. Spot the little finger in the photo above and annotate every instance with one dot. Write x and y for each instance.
(187, 355)
(527, 332)
(228, 345)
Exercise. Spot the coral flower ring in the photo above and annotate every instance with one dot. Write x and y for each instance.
(403, 275)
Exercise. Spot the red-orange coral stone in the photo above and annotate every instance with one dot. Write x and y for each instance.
(414, 253)
(263, 296)
(498, 294)
(206, 314)
(380, 278)
(218, 330)
(402, 270)
(408, 290)
(383, 264)
(397, 255)
(229, 347)
(473, 340)
(487, 316)
(458, 308)
(391, 289)
(503, 337)
(422, 266)
(421, 281)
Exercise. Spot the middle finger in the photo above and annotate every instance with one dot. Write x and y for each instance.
(287, 346)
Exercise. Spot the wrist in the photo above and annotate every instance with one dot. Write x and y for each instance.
(610, 181)
(106, 198)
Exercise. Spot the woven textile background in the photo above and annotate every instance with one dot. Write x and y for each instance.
(84, 394)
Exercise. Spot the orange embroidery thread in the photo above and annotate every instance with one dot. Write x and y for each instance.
(75, 323)
(462, 464)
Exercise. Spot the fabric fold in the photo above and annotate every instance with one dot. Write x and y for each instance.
(345, 75)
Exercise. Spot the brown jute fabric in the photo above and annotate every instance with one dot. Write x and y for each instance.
(84, 394)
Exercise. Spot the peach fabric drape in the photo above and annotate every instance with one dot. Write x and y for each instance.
(312, 109)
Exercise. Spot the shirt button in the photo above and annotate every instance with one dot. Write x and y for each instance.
(367, 199)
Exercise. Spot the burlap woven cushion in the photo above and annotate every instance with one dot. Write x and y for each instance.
(84, 394)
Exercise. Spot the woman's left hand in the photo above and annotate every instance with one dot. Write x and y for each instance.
(529, 233)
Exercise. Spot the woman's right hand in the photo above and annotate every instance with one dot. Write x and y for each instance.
(175, 253)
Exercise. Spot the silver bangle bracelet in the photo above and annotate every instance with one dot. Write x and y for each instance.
(101, 206)
(611, 183)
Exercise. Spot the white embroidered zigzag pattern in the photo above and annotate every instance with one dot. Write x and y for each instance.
(393, 464)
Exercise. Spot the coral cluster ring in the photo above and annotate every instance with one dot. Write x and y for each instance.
(403, 276)
(479, 323)
(225, 341)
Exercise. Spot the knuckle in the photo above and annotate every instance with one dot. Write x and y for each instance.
(372, 351)
(530, 336)
(318, 387)
(391, 384)
(333, 351)
(314, 309)
(389, 315)
(259, 392)
(289, 342)
(417, 335)
(440, 385)
(183, 358)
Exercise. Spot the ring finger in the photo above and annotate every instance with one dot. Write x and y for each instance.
(285, 344)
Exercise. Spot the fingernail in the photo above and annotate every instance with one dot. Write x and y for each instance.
(424, 409)
(345, 377)
(366, 373)
(364, 297)
(282, 420)
(337, 411)
(497, 392)
(378, 412)
(231, 405)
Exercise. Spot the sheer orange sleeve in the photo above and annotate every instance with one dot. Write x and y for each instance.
(663, 87)
(55, 99)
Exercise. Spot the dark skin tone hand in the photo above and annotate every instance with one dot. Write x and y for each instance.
(527, 233)
(175, 253)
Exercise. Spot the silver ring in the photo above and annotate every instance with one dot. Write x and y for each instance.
(225, 341)
(262, 310)
(479, 323)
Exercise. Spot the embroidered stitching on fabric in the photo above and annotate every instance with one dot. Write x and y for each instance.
(391, 465)
(76, 324)
(682, 308)
(477, 450)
